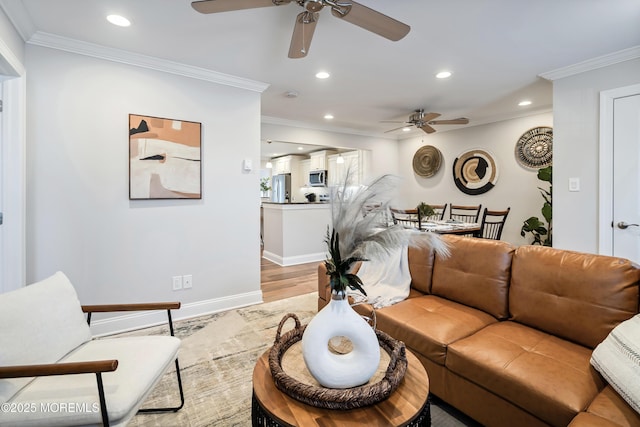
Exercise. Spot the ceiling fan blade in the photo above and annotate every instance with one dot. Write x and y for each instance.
(428, 129)
(460, 121)
(215, 6)
(371, 20)
(430, 116)
(391, 121)
(302, 34)
(392, 130)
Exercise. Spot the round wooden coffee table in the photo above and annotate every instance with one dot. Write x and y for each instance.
(407, 406)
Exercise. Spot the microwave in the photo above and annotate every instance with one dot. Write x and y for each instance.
(318, 178)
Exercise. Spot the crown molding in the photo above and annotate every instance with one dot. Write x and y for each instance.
(117, 55)
(593, 64)
(19, 17)
(10, 65)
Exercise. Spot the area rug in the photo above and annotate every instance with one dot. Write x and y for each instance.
(217, 357)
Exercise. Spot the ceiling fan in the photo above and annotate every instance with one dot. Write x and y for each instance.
(424, 121)
(306, 21)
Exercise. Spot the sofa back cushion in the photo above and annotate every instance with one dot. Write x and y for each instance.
(476, 274)
(421, 268)
(577, 296)
(41, 323)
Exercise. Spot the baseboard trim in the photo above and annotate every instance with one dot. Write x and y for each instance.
(139, 320)
(293, 260)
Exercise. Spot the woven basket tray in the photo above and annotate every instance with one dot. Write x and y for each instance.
(329, 398)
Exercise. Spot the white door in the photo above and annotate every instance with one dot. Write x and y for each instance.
(626, 177)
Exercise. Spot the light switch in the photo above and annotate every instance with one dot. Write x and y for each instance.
(574, 184)
(247, 164)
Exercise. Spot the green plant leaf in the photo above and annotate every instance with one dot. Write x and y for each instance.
(547, 212)
(545, 174)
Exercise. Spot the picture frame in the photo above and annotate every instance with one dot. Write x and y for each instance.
(164, 158)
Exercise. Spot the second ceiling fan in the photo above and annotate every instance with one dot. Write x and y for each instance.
(306, 21)
(424, 121)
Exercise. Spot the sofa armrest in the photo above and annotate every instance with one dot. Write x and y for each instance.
(92, 367)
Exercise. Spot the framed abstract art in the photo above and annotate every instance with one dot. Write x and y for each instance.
(164, 158)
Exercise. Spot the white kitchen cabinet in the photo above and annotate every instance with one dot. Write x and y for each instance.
(285, 164)
(319, 160)
(355, 163)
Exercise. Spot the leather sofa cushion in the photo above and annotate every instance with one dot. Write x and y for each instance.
(542, 374)
(577, 296)
(410, 321)
(608, 408)
(421, 268)
(476, 274)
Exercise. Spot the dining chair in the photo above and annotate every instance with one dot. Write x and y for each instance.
(465, 213)
(438, 215)
(408, 218)
(493, 223)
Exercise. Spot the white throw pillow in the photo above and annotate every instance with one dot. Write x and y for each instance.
(617, 358)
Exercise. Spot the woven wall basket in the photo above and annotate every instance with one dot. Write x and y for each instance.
(329, 398)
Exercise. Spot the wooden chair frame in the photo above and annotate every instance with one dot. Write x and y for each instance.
(98, 367)
(465, 213)
(439, 213)
(408, 218)
(493, 223)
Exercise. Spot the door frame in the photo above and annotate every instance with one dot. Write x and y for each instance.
(13, 169)
(605, 205)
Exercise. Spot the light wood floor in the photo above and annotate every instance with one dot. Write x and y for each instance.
(278, 282)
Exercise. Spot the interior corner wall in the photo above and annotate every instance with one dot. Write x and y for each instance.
(516, 186)
(79, 217)
(576, 111)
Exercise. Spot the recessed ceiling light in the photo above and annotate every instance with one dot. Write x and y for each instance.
(322, 75)
(407, 129)
(328, 116)
(524, 103)
(443, 74)
(300, 148)
(118, 20)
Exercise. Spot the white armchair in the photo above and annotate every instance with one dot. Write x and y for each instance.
(52, 373)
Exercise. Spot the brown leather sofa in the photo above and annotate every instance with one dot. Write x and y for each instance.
(506, 333)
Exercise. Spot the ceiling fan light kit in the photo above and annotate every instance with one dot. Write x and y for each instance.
(305, 25)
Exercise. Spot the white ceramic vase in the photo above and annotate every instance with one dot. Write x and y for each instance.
(333, 370)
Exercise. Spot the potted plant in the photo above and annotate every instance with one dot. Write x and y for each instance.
(541, 231)
(354, 237)
(264, 186)
(425, 210)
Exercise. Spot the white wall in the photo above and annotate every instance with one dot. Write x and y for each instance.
(576, 110)
(516, 186)
(79, 217)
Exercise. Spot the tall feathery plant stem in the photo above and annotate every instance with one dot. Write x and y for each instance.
(359, 231)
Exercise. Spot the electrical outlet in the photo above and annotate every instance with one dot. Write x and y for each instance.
(187, 281)
(177, 283)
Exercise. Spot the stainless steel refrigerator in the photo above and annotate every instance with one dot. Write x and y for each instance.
(281, 188)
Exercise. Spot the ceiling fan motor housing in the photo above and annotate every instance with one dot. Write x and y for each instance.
(313, 5)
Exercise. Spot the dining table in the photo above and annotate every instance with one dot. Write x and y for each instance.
(451, 227)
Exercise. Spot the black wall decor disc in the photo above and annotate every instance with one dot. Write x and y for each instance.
(475, 172)
(426, 161)
(534, 149)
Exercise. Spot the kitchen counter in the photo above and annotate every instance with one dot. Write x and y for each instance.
(297, 203)
(294, 233)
